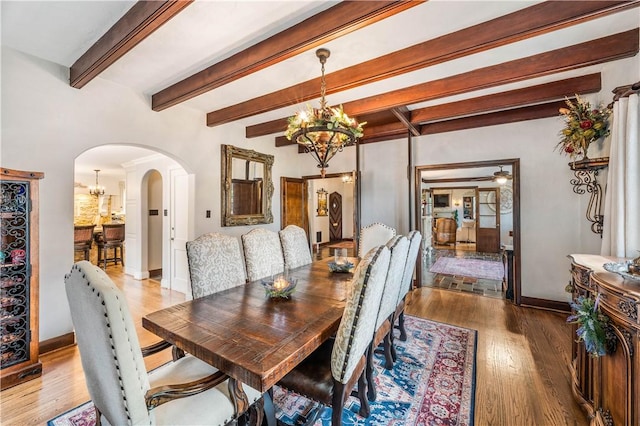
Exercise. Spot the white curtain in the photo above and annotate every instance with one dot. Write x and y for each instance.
(621, 231)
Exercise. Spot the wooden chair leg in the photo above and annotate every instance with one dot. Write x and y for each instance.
(371, 389)
(403, 332)
(337, 402)
(98, 415)
(388, 358)
(365, 410)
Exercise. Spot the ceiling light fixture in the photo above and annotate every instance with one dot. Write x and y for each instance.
(325, 131)
(96, 190)
(501, 176)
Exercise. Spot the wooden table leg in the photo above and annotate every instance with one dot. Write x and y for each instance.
(238, 397)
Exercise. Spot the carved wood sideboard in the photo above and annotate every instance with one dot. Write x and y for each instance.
(608, 387)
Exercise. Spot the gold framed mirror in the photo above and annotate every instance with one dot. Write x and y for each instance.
(247, 187)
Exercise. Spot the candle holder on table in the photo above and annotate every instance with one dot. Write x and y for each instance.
(279, 286)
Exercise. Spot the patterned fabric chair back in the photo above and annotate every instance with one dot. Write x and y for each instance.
(111, 357)
(215, 264)
(415, 239)
(360, 313)
(262, 253)
(295, 246)
(399, 247)
(376, 234)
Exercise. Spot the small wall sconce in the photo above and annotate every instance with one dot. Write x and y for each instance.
(322, 202)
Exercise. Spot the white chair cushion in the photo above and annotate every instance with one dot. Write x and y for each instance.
(376, 234)
(415, 238)
(399, 247)
(262, 253)
(295, 246)
(215, 264)
(360, 313)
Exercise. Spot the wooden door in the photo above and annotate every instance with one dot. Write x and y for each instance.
(335, 217)
(179, 223)
(294, 203)
(488, 228)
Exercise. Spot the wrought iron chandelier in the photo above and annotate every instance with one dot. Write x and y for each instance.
(325, 131)
(96, 190)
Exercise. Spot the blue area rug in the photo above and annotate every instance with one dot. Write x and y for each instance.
(433, 383)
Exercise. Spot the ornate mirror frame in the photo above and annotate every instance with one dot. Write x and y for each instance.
(230, 152)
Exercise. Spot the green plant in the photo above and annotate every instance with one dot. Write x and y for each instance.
(454, 215)
(592, 324)
(583, 125)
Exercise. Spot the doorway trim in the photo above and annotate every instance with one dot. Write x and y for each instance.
(355, 177)
(515, 170)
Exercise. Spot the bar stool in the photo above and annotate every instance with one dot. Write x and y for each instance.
(112, 238)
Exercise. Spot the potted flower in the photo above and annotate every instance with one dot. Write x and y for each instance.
(592, 325)
(583, 125)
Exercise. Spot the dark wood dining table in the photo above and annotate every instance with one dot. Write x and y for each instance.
(256, 340)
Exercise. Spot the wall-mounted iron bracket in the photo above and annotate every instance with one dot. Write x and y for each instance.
(586, 180)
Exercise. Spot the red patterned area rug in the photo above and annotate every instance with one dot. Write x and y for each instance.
(473, 268)
(432, 383)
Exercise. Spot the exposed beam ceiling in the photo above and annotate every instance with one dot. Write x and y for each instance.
(618, 46)
(529, 22)
(138, 23)
(337, 21)
(504, 100)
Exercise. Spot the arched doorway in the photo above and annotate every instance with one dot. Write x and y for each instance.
(130, 174)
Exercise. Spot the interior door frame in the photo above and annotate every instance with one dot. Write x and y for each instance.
(515, 171)
(356, 198)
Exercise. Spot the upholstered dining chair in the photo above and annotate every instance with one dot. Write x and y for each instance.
(83, 239)
(295, 246)
(415, 239)
(215, 264)
(184, 392)
(376, 234)
(262, 253)
(399, 247)
(331, 372)
(112, 238)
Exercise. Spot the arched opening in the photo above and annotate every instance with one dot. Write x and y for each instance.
(138, 192)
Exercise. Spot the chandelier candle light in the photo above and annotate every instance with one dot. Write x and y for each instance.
(96, 190)
(325, 131)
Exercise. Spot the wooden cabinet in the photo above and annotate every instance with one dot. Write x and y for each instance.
(608, 387)
(19, 277)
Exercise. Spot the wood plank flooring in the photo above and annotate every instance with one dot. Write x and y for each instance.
(522, 375)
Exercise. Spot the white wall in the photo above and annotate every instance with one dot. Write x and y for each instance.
(46, 124)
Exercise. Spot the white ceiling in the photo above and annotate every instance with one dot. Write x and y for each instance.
(207, 32)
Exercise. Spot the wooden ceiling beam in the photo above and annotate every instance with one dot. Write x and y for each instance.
(534, 112)
(404, 116)
(532, 21)
(605, 49)
(138, 23)
(341, 19)
(511, 99)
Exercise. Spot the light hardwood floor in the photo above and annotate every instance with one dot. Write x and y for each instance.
(522, 375)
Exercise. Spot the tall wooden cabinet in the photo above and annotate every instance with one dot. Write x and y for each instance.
(19, 277)
(608, 387)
